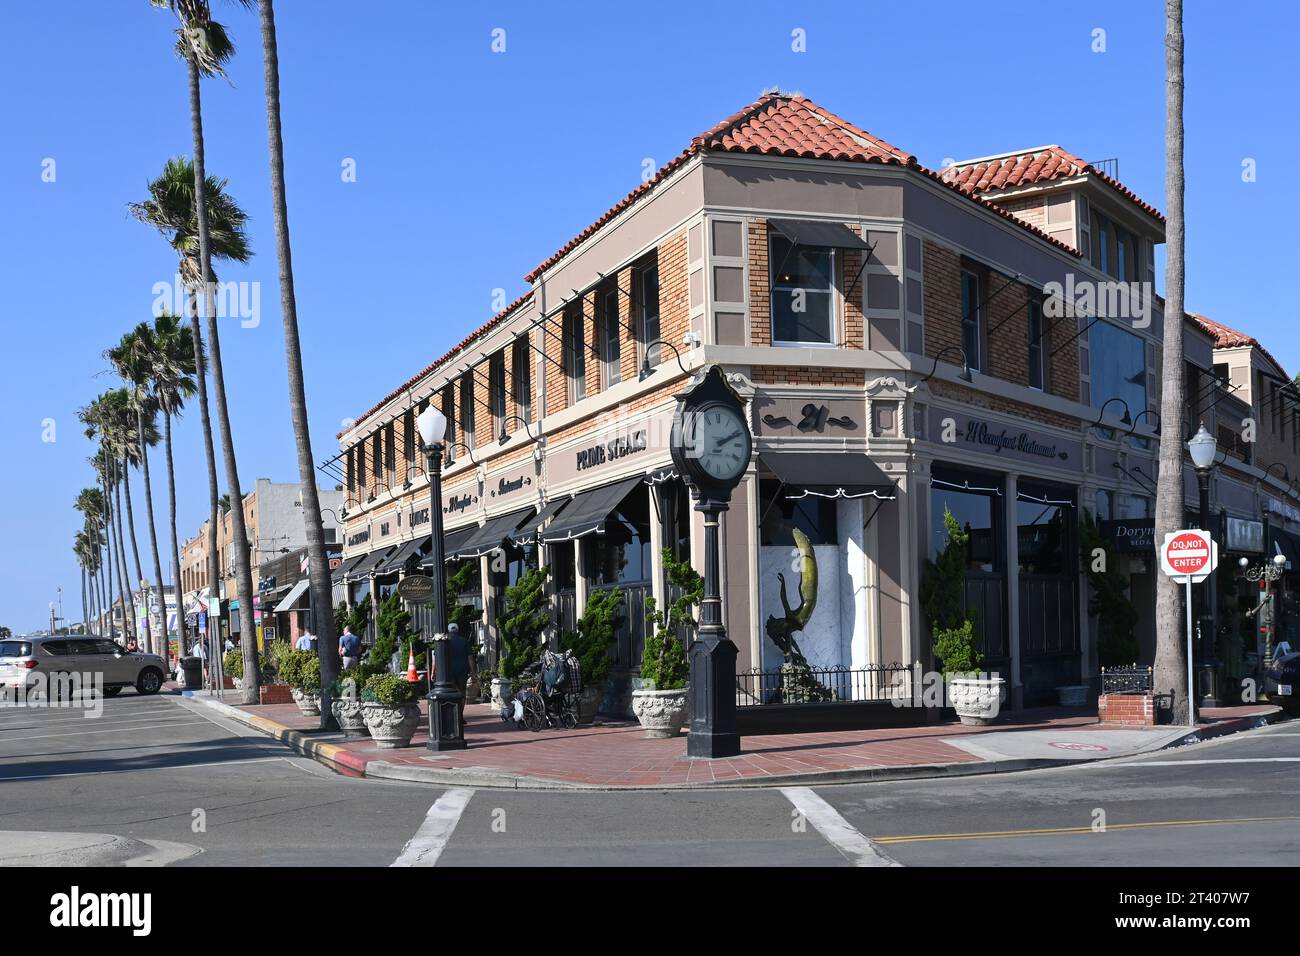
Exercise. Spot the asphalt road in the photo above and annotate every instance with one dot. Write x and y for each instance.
(193, 789)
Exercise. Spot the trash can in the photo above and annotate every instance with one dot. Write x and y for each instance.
(192, 668)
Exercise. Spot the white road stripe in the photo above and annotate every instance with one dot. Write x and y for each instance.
(170, 767)
(103, 719)
(839, 833)
(427, 845)
(121, 730)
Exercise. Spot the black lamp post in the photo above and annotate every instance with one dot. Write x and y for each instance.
(1203, 449)
(445, 729)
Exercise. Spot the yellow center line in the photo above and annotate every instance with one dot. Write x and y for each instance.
(1057, 831)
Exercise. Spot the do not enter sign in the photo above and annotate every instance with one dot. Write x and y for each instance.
(1189, 553)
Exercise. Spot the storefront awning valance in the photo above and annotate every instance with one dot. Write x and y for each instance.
(452, 542)
(587, 513)
(292, 597)
(829, 474)
(660, 475)
(347, 567)
(397, 560)
(526, 533)
(492, 535)
(810, 232)
(1284, 543)
(370, 562)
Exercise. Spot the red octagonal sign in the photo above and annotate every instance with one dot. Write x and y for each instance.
(1188, 553)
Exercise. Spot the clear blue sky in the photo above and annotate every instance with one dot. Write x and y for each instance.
(472, 167)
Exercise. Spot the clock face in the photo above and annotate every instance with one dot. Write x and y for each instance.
(720, 443)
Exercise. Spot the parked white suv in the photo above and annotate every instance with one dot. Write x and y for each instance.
(22, 659)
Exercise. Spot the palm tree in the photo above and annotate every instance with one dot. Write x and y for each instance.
(102, 423)
(171, 210)
(174, 370)
(85, 560)
(1171, 655)
(134, 433)
(318, 567)
(90, 503)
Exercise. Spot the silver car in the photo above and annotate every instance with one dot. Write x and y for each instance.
(21, 659)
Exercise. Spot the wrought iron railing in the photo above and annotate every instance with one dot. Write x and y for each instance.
(792, 684)
(1128, 679)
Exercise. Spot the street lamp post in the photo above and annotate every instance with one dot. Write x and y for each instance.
(445, 729)
(1203, 449)
(1268, 572)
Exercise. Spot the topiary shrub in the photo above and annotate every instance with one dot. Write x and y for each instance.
(596, 634)
(1107, 596)
(233, 662)
(951, 628)
(301, 671)
(525, 618)
(663, 661)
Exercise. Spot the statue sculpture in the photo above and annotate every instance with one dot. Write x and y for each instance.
(797, 682)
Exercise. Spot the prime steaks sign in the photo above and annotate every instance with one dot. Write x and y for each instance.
(615, 449)
(953, 428)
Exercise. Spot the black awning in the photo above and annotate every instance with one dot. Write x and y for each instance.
(660, 475)
(588, 511)
(1283, 542)
(347, 567)
(829, 474)
(398, 559)
(451, 543)
(491, 536)
(370, 563)
(526, 533)
(811, 232)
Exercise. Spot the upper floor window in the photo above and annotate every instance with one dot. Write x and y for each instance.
(1114, 248)
(497, 389)
(449, 412)
(648, 310)
(575, 355)
(376, 455)
(467, 407)
(408, 435)
(1119, 369)
(609, 338)
(522, 380)
(390, 450)
(1037, 350)
(802, 303)
(970, 320)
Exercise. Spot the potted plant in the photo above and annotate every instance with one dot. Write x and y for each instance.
(390, 710)
(975, 696)
(660, 703)
(590, 644)
(345, 702)
(233, 663)
(526, 616)
(301, 671)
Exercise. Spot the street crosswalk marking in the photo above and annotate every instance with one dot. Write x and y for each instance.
(839, 833)
(431, 839)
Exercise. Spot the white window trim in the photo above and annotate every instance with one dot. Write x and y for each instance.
(834, 294)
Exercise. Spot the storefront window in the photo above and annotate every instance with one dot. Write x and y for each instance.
(1045, 530)
(1119, 369)
(976, 503)
(622, 554)
(519, 561)
(814, 516)
(560, 560)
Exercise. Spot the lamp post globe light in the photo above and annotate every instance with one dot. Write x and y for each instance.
(1204, 449)
(445, 730)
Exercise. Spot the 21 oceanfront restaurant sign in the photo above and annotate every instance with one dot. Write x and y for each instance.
(950, 427)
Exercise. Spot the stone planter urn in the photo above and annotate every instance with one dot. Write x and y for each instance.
(238, 682)
(500, 692)
(977, 700)
(661, 712)
(1072, 695)
(588, 703)
(391, 726)
(350, 717)
(308, 704)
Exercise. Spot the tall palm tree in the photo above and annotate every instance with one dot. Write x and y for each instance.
(133, 359)
(1171, 654)
(171, 209)
(102, 423)
(90, 503)
(131, 443)
(174, 371)
(85, 560)
(318, 566)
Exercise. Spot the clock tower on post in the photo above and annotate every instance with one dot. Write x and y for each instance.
(711, 447)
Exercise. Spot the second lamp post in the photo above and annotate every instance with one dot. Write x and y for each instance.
(445, 729)
(1204, 449)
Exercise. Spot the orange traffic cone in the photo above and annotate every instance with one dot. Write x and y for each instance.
(411, 674)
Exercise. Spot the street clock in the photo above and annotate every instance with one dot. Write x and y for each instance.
(711, 442)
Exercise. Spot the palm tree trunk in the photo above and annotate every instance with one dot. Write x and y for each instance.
(119, 558)
(181, 629)
(214, 492)
(159, 646)
(85, 609)
(135, 550)
(318, 566)
(1171, 651)
(238, 533)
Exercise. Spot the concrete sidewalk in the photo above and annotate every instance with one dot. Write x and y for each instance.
(615, 755)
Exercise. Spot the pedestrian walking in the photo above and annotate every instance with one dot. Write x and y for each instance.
(460, 663)
(306, 641)
(349, 649)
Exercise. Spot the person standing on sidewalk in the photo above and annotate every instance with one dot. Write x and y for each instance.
(459, 663)
(306, 641)
(349, 649)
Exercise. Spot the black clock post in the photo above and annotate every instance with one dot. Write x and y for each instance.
(713, 466)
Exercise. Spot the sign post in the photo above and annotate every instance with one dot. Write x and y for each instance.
(1189, 557)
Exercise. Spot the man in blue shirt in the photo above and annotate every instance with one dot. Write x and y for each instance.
(349, 649)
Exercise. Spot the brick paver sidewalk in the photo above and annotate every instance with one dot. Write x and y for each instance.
(617, 754)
